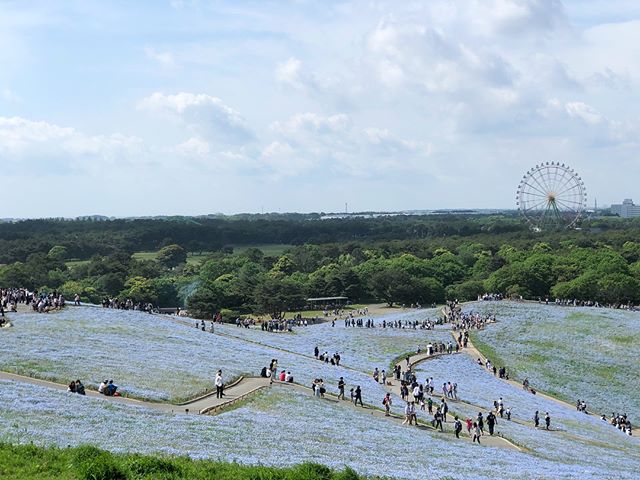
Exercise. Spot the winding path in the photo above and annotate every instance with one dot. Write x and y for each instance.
(393, 386)
(208, 403)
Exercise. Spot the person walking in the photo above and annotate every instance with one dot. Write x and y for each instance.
(477, 432)
(219, 385)
(413, 413)
(437, 420)
(457, 427)
(357, 396)
(536, 419)
(444, 408)
(407, 414)
(480, 422)
(341, 386)
(386, 401)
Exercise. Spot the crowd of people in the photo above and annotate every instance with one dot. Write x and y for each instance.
(326, 358)
(620, 421)
(128, 304)
(591, 303)
(41, 302)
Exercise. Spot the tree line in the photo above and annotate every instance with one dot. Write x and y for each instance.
(601, 262)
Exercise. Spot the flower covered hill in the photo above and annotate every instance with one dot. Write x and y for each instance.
(359, 348)
(590, 438)
(316, 430)
(149, 357)
(570, 352)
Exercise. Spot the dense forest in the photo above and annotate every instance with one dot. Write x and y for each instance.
(402, 259)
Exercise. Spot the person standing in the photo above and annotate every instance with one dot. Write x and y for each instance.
(386, 401)
(219, 385)
(341, 386)
(491, 421)
(480, 422)
(547, 420)
(536, 419)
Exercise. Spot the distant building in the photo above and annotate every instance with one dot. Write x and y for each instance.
(626, 209)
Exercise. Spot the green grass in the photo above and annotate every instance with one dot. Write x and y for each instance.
(192, 258)
(269, 250)
(29, 462)
(76, 263)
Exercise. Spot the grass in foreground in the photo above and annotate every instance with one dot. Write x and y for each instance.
(89, 463)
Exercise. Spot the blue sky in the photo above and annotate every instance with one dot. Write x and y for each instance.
(200, 106)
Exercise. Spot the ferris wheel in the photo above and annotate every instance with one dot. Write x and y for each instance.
(551, 195)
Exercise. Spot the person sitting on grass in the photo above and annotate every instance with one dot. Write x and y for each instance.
(80, 388)
(103, 387)
(111, 389)
(72, 387)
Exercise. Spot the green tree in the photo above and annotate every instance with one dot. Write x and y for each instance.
(275, 296)
(171, 256)
(58, 252)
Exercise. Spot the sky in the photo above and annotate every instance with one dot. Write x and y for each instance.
(202, 106)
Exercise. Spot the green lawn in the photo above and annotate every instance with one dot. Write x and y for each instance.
(192, 258)
(269, 250)
(89, 463)
(76, 263)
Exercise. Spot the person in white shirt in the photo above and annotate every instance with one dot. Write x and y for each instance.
(219, 385)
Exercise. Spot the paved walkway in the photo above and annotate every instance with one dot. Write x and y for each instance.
(472, 351)
(205, 404)
(393, 386)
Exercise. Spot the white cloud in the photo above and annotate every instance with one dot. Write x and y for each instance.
(205, 114)
(55, 149)
(332, 143)
(289, 73)
(165, 59)
(584, 112)
(194, 146)
(312, 123)
(10, 96)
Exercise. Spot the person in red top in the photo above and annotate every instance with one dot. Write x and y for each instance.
(282, 375)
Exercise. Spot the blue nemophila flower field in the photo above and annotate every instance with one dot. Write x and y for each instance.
(573, 353)
(148, 356)
(279, 427)
(360, 348)
(589, 438)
